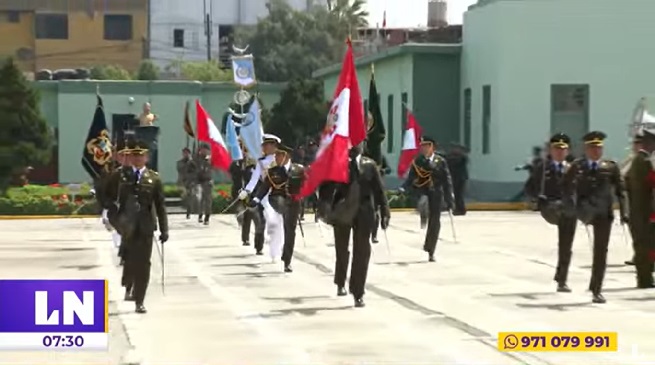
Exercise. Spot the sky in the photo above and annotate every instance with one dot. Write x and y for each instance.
(412, 13)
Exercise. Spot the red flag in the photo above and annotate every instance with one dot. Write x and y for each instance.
(344, 128)
(410, 145)
(384, 19)
(207, 132)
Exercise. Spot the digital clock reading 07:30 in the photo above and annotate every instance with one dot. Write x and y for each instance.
(53, 315)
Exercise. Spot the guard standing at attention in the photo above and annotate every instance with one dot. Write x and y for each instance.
(641, 180)
(140, 196)
(350, 208)
(281, 186)
(269, 146)
(545, 185)
(591, 182)
(186, 177)
(429, 179)
(241, 172)
(204, 183)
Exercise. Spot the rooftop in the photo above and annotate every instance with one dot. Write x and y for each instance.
(407, 48)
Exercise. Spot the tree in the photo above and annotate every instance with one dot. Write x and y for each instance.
(110, 72)
(147, 71)
(288, 44)
(25, 139)
(300, 113)
(349, 13)
(204, 71)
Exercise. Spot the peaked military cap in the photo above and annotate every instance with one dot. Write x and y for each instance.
(271, 138)
(594, 138)
(137, 147)
(560, 140)
(427, 140)
(186, 149)
(284, 149)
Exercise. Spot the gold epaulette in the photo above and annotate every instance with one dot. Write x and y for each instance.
(273, 184)
(422, 174)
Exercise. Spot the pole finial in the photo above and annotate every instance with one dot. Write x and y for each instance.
(97, 89)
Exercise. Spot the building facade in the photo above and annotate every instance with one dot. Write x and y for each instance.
(527, 69)
(68, 107)
(69, 34)
(178, 28)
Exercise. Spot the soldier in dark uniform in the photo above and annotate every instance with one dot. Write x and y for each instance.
(429, 179)
(384, 170)
(186, 177)
(140, 195)
(204, 183)
(282, 184)
(591, 182)
(641, 180)
(545, 185)
(458, 160)
(241, 172)
(351, 208)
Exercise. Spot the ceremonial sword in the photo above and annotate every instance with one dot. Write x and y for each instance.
(160, 251)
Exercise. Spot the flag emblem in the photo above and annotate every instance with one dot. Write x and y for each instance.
(243, 72)
(100, 148)
(333, 116)
(249, 119)
(370, 122)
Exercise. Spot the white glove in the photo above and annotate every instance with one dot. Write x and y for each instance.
(401, 190)
(243, 194)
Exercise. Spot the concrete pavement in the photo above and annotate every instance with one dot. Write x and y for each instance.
(223, 304)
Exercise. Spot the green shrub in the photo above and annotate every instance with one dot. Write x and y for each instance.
(46, 205)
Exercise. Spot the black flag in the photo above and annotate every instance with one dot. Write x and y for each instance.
(97, 151)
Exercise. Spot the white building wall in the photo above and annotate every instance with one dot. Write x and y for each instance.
(168, 15)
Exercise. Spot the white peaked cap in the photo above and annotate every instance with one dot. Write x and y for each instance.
(268, 137)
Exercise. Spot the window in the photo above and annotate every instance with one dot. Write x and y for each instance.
(390, 128)
(51, 26)
(9, 16)
(118, 27)
(467, 117)
(403, 108)
(486, 118)
(178, 38)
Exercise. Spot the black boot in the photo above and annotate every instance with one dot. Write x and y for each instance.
(141, 309)
(598, 298)
(341, 291)
(129, 296)
(246, 243)
(563, 288)
(287, 268)
(374, 239)
(200, 218)
(359, 302)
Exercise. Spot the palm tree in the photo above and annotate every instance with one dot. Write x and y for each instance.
(350, 12)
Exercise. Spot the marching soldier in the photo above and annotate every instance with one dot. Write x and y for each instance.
(384, 170)
(204, 183)
(241, 172)
(186, 171)
(458, 160)
(138, 193)
(269, 146)
(590, 182)
(277, 194)
(351, 207)
(545, 185)
(429, 178)
(641, 180)
(625, 168)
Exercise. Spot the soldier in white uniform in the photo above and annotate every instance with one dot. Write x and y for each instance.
(269, 146)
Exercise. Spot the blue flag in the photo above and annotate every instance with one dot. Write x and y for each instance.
(251, 132)
(232, 140)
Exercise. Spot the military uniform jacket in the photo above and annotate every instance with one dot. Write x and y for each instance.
(281, 184)
(241, 172)
(641, 194)
(552, 185)
(137, 202)
(593, 189)
(204, 170)
(186, 172)
(430, 175)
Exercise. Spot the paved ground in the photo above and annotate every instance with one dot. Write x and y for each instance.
(225, 305)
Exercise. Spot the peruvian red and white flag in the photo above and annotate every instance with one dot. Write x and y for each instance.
(344, 128)
(207, 132)
(411, 142)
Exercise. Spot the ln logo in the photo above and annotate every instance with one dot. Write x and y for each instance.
(72, 305)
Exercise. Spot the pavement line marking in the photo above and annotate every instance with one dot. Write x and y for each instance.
(241, 312)
(104, 252)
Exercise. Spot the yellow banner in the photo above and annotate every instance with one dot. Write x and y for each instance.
(557, 341)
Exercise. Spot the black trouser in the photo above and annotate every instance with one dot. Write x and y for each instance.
(245, 225)
(459, 187)
(127, 279)
(260, 226)
(602, 226)
(376, 225)
(643, 242)
(361, 233)
(565, 235)
(291, 217)
(137, 265)
(434, 223)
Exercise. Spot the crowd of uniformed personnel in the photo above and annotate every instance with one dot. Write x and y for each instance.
(265, 194)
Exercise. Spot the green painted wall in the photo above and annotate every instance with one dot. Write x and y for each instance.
(70, 105)
(436, 95)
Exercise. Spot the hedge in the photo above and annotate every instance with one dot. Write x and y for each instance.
(58, 200)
